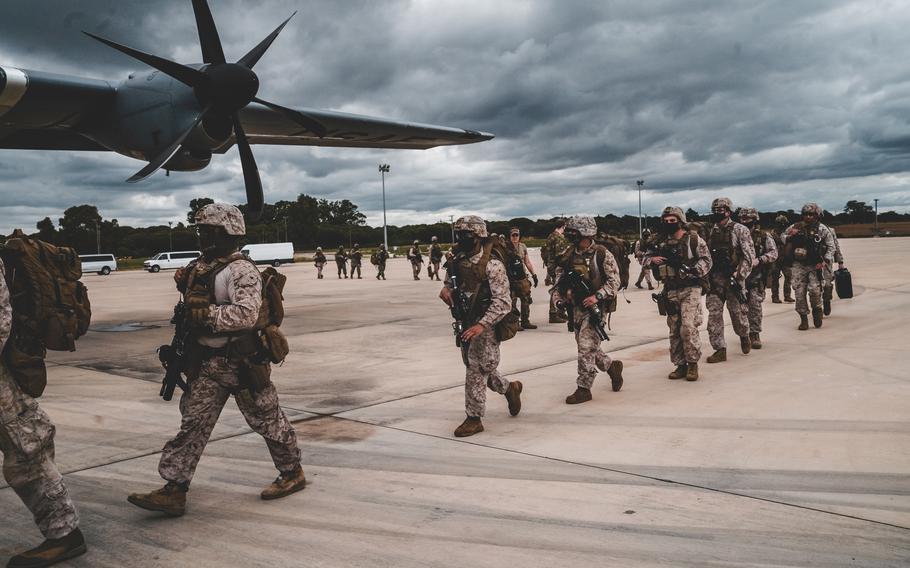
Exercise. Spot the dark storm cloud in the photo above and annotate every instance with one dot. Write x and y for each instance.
(771, 102)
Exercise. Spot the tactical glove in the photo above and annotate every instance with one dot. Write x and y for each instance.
(199, 317)
(534, 278)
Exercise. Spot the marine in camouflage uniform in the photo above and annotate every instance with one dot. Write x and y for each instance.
(810, 246)
(521, 285)
(435, 259)
(765, 258)
(640, 246)
(319, 260)
(482, 274)
(416, 258)
(598, 267)
(341, 261)
(682, 261)
(382, 256)
(556, 244)
(27, 442)
(781, 267)
(356, 259)
(219, 329)
(732, 253)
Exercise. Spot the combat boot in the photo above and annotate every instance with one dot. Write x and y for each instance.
(745, 344)
(51, 551)
(816, 317)
(285, 484)
(692, 372)
(719, 356)
(528, 325)
(803, 322)
(775, 299)
(789, 299)
(471, 425)
(556, 318)
(650, 286)
(678, 373)
(756, 340)
(513, 397)
(615, 372)
(826, 309)
(579, 396)
(170, 499)
(638, 285)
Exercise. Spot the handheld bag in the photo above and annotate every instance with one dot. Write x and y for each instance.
(843, 283)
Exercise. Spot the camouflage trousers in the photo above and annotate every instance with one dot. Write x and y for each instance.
(27, 442)
(589, 352)
(342, 268)
(718, 295)
(645, 275)
(685, 343)
(482, 372)
(201, 407)
(775, 281)
(807, 280)
(433, 270)
(755, 296)
(523, 304)
(415, 268)
(355, 267)
(828, 276)
(319, 268)
(381, 270)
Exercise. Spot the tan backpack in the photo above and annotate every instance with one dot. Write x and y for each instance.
(51, 308)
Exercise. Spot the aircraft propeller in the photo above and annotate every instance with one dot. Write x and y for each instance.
(222, 89)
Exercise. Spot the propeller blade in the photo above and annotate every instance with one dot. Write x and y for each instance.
(186, 75)
(254, 197)
(251, 58)
(303, 120)
(208, 33)
(167, 154)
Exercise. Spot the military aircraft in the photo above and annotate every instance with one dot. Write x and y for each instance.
(176, 116)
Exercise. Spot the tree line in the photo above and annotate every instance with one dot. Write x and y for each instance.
(309, 222)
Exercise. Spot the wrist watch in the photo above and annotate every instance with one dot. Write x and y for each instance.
(599, 295)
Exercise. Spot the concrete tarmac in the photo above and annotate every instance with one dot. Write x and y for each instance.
(794, 455)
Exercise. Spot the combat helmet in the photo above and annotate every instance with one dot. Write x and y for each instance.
(222, 215)
(473, 224)
(433, 239)
(722, 202)
(782, 220)
(583, 225)
(416, 242)
(748, 212)
(676, 212)
(812, 209)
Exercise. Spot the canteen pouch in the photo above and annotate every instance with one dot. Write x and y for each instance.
(27, 369)
(508, 326)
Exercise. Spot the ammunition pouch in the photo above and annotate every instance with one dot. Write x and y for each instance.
(661, 301)
(507, 328)
(274, 344)
(253, 360)
(26, 365)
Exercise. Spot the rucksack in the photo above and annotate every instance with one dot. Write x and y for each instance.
(374, 259)
(51, 308)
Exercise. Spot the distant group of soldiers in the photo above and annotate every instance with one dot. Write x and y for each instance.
(231, 314)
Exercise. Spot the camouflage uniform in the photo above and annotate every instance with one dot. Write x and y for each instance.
(356, 259)
(27, 442)
(382, 256)
(557, 243)
(521, 288)
(435, 260)
(806, 277)
(739, 241)
(590, 356)
(238, 297)
(319, 260)
(766, 252)
(780, 267)
(341, 261)
(682, 292)
(482, 370)
(416, 258)
(645, 274)
(828, 272)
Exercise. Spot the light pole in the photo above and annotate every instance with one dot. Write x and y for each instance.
(97, 238)
(875, 226)
(170, 235)
(640, 183)
(383, 170)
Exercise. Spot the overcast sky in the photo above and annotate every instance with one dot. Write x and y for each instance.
(771, 103)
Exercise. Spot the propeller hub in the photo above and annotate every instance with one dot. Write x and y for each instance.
(228, 87)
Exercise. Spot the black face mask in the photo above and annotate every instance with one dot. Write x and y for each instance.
(214, 242)
(718, 217)
(465, 240)
(573, 236)
(669, 228)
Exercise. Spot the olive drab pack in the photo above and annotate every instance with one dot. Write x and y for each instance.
(804, 246)
(474, 281)
(591, 269)
(51, 308)
(374, 259)
(620, 251)
(725, 256)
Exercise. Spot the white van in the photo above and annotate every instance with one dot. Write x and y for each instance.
(103, 264)
(164, 260)
(270, 253)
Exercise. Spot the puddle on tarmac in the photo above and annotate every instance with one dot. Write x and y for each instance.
(334, 430)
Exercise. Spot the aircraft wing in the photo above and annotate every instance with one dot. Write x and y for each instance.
(43, 111)
(266, 126)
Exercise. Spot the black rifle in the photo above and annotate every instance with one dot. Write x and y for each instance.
(738, 291)
(572, 280)
(172, 356)
(461, 308)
